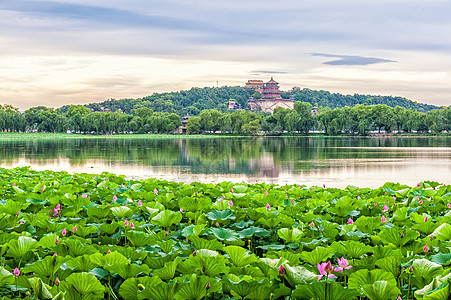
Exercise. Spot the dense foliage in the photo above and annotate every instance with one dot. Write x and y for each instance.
(87, 236)
(195, 100)
(359, 119)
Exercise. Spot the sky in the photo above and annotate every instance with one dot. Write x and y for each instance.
(59, 52)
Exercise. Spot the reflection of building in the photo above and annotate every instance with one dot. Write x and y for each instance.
(271, 98)
(266, 165)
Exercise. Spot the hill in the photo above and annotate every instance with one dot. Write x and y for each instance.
(197, 99)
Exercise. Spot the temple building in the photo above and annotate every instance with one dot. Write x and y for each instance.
(256, 85)
(271, 98)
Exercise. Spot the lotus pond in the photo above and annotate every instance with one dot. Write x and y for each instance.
(84, 236)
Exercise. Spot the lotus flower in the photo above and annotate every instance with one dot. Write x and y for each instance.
(132, 226)
(426, 248)
(155, 191)
(74, 229)
(282, 271)
(312, 224)
(109, 251)
(42, 188)
(114, 198)
(418, 185)
(325, 269)
(55, 254)
(399, 298)
(57, 241)
(375, 203)
(425, 219)
(57, 281)
(16, 272)
(268, 207)
(421, 201)
(194, 253)
(350, 221)
(383, 219)
(63, 233)
(231, 190)
(84, 195)
(18, 213)
(449, 205)
(217, 224)
(230, 203)
(181, 210)
(385, 208)
(125, 223)
(342, 264)
(140, 203)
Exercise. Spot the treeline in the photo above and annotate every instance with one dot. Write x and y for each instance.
(360, 119)
(195, 100)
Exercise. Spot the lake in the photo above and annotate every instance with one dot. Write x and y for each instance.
(335, 162)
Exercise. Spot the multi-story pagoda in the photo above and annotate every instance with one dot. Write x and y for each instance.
(256, 85)
(271, 98)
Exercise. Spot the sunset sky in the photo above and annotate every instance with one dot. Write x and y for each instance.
(59, 52)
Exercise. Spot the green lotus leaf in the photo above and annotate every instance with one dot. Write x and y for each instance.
(263, 291)
(221, 215)
(18, 248)
(195, 287)
(84, 231)
(239, 188)
(270, 222)
(443, 232)
(166, 218)
(368, 224)
(46, 267)
(128, 270)
(436, 290)
(239, 256)
(290, 235)
(381, 290)
(39, 288)
(81, 263)
(351, 249)
(200, 243)
(316, 291)
(424, 271)
(225, 234)
(390, 264)
(122, 211)
(193, 230)
(6, 277)
(400, 215)
(98, 212)
(113, 258)
(76, 247)
(298, 275)
(86, 285)
(48, 241)
(129, 289)
(195, 203)
(254, 231)
(397, 236)
(365, 277)
(243, 285)
(441, 258)
(160, 291)
(168, 270)
(140, 238)
(109, 229)
(316, 256)
(99, 273)
(272, 247)
(220, 204)
(13, 207)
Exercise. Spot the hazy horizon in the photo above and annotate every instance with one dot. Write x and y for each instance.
(59, 52)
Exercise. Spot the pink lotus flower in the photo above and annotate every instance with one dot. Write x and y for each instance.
(266, 193)
(418, 185)
(282, 271)
(230, 203)
(292, 201)
(426, 248)
(63, 233)
(217, 224)
(350, 221)
(57, 241)
(268, 207)
(155, 191)
(18, 213)
(375, 203)
(421, 201)
(385, 208)
(399, 297)
(58, 207)
(125, 223)
(16, 272)
(425, 219)
(312, 224)
(132, 226)
(325, 269)
(449, 205)
(383, 219)
(358, 198)
(231, 190)
(114, 198)
(74, 229)
(14, 184)
(140, 203)
(342, 264)
(181, 210)
(42, 188)
(55, 254)
(324, 186)
(57, 281)
(109, 251)
(84, 195)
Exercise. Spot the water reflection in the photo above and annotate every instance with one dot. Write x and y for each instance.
(312, 161)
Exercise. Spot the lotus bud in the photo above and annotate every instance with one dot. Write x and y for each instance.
(42, 188)
(282, 271)
(166, 232)
(16, 272)
(203, 269)
(18, 213)
(181, 210)
(266, 193)
(410, 268)
(418, 185)
(425, 219)
(57, 281)
(14, 184)
(155, 191)
(292, 201)
(324, 186)
(421, 201)
(383, 219)
(268, 207)
(358, 198)
(217, 224)
(140, 203)
(402, 234)
(426, 248)
(449, 205)
(207, 287)
(64, 232)
(230, 203)
(125, 223)
(231, 190)
(375, 203)
(114, 198)
(350, 221)
(194, 253)
(399, 298)
(57, 241)
(133, 226)
(328, 268)
(109, 251)
(84, 195)
(312, 224)
(55, 254)
(431, 237)
(74, 229)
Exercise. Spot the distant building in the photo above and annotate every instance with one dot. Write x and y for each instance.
(271, 98)
(233, 105)
(314, 111)
(256, 85)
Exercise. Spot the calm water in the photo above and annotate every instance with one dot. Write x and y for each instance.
(338, 162)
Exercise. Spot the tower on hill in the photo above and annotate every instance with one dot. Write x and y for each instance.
(271, 98)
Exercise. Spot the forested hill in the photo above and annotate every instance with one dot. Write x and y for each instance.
(197, 99)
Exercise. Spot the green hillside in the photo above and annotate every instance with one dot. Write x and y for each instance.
(197, 99)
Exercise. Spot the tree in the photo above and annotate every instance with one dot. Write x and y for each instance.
(193, 125)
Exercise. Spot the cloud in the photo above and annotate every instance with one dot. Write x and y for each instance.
(349, 60)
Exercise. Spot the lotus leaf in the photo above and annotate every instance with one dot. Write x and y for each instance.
(243, 285)
(239, 256)
(39, 288)
(221, 215)
(6, 277)
(18, 248)
(443, 232)
(290, 235)
(128, 270)
(365, 277)
(298, 275)
(381, 290)
(122, 212)
(316, 256)
(225, 234)
(316, 291)
(86, 285)
(166, 218)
